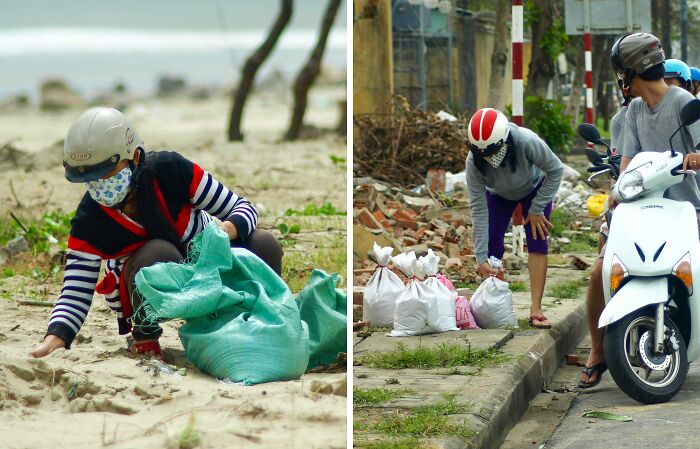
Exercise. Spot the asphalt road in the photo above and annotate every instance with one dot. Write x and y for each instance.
(675, 424)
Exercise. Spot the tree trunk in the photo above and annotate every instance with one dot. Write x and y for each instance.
(499, 57)
(542, 66)
(251, 67)
(573, 107)
(310, 71)
(666, 20)
(601, 68)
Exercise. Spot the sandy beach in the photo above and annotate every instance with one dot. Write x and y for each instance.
(98, 395)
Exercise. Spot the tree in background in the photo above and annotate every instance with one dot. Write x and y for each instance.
(307, 75)
(501, 52)
(251, 67)
(548, 37)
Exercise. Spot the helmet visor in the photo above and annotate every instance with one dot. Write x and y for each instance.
(87, 173)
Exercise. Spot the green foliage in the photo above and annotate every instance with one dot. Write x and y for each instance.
(443, 355)
(52, 228)
(338, 161)
(313, 210)
(561, 219)
(566, 290)
(548, 120)
(518, 286)
(330, 256)
(428, 420)
(555, 38)
(373, 396)
(403, 443)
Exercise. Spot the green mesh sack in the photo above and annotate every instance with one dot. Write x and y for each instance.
(242, 322)
(324, 309)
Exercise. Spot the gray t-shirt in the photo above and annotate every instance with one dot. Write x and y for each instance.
(648, 129)
(534, 161)
(616, 127)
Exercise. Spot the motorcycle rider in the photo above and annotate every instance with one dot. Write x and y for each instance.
(649, 121)
(677, 73)
(695, 78)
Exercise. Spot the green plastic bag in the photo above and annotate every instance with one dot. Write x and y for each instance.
(324, 309)
(242, 322)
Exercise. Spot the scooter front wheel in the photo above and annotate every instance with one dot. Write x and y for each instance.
(640, 373)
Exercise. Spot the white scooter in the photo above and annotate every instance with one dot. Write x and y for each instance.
(651, 275)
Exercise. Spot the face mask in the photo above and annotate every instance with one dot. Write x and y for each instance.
(496, 159)
(111, 191)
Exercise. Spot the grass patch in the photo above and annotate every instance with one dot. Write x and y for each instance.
(379, 329)
(566, 290)
(330, 256)
(518, 286)
(581, 243)
(373, 396)
(469, 285)
(53, 228)
(428, 420)
(313, 210)
(444, 355)
(189, 437)
(562, 220)
(523, 323)
(403, 443)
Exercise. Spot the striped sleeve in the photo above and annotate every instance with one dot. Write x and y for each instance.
(79, 281)
(207, 194)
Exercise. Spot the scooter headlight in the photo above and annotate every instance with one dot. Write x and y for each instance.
(618, 272)
(631, 183)
(684, 272)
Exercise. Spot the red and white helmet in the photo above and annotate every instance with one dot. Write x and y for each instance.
(488, 131)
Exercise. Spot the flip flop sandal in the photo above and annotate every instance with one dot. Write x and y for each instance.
(599, 368)
(531, 319)
(142, 347)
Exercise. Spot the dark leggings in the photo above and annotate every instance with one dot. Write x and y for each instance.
(261, 243)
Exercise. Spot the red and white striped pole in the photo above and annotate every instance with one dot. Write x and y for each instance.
(589, 60)
(589, 77)
(517, 55)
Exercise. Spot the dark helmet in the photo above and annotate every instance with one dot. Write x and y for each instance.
(637, 52)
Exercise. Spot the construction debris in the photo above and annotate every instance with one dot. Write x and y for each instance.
(402, 148)
(408, 220)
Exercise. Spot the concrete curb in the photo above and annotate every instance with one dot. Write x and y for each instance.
(526, 378)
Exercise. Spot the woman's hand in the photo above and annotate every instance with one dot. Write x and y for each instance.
(691, 161)
(230, 229)
(485, 270)
(49, 345)
(539, 225)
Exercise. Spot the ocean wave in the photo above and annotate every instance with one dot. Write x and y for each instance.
(24, 41)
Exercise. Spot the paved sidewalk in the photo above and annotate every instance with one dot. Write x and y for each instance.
(483, 404)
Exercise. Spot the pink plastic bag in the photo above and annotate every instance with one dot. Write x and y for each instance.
(465, 319)
(446, 282)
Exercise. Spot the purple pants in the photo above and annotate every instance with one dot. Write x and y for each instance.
(500, 212)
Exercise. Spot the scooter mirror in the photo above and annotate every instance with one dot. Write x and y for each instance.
(690, 112)
(590, 133)
(593, 156)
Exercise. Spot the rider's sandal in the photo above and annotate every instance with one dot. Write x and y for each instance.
(143, 347)
(599, 369)
(540, 319)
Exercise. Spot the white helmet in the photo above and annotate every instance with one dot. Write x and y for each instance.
(96, 142)
(488, 131)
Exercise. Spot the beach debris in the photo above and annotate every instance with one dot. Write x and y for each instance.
(56, 94)
(171, 85)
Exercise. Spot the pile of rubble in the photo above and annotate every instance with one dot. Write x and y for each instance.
(412, 220)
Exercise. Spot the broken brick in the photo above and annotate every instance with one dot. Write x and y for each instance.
(367, 219)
